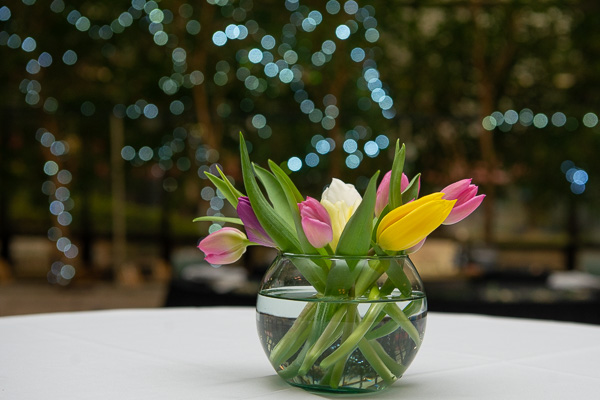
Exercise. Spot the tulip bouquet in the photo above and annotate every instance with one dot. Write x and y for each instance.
(389, 219)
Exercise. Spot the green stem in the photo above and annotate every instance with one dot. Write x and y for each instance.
(326, 380)
(366, 278)
(413, 307)
(329, 250)
(292, 369)
(376, 362)
(332, 331)
(397, 315)
(303, 321)
(293, 348)
(370, 274)
(380, 318)
(338, 369)
(391, 325)
(359, 332)
(383, 330)
(391, 364)
(387, 288)
(322, 251)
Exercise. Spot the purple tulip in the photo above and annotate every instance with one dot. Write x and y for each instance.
(255, 231)
(383, 191)
(466, 198)
(315, 222)
(224, 246)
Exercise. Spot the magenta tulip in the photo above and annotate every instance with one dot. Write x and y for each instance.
(383, 191)
(224, 246)
(255, 231)
(466, 198)
(315, 222)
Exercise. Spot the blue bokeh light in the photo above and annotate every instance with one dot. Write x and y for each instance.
(350, 146)
(219, 38)
(342, 32)
(382, 141)
(371, 149)
(312, 159)
(352, 161)
(323, 147)
(294, 164)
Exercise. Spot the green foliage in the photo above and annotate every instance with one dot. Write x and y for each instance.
(355, 240)
(446, 65)
(272, 223)
(396, 178)
(411, 191)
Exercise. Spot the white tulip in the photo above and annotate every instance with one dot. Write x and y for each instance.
(341, 201)
(340, 191)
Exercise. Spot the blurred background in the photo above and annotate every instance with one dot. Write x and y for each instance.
(112, 111)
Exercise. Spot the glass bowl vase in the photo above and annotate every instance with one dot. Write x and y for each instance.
(341, 324)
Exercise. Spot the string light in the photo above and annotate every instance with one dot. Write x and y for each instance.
(527, 118)
(268, 59)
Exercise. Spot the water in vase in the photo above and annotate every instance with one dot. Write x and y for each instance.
(385, 346)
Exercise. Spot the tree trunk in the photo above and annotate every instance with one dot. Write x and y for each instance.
(119, 234)
(5, 223)
(487, 94)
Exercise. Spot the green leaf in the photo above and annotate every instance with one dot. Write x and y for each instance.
(384, 212)
(224, 188)
(294, 197)
(312, 270)
(355, 240)
(275, 193)
(339, 280)
(412, 191)
(396, 179)
(370, 272)
(289, 189)
(271, 222)
(233, 190)
(283, 177)
(219, 219)
(396, 274)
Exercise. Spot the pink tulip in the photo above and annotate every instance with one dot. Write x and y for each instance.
(255, 231)
(224, 246)
(416, 247)
(466, 200)
(315, 222)
(383, 191)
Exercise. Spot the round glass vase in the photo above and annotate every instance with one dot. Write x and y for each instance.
(341, 324)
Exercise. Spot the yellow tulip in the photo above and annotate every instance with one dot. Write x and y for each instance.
(407, 225)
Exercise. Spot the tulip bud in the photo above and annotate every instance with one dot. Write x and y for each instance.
(316, 222)
(383, 191)
(466, 200)
(224, 246)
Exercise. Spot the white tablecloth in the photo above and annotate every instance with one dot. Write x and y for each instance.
(214, 353)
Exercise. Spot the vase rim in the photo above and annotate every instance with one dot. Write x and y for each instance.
(342, 257)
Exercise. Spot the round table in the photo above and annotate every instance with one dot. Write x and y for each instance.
(214, 353)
